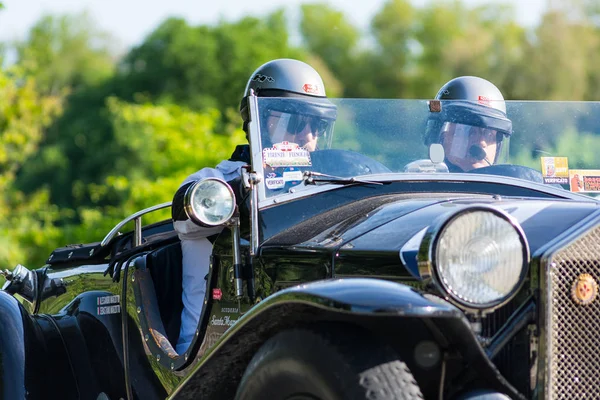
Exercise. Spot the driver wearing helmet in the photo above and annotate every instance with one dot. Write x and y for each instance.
(302, 114)
(471, 125)
(302, 119)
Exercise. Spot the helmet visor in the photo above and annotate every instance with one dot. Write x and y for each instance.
(469, 147)
(302, 129)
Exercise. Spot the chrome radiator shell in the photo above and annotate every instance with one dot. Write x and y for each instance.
(569, 362)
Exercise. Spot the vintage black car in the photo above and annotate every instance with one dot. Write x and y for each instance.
(362, 270)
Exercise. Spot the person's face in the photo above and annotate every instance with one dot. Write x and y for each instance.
(300, 130)
(458, 139)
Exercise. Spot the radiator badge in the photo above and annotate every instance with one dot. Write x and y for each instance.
(584, 289)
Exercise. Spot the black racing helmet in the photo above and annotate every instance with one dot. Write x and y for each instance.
(470, 101)
(304, 92)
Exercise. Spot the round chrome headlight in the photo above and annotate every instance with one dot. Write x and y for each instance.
(210, 202)
(479, 256)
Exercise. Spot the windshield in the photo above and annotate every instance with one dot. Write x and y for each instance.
(552, 143)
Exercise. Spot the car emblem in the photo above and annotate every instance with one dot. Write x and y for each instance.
(584, 289)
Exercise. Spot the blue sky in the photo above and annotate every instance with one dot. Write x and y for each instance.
(130, 20)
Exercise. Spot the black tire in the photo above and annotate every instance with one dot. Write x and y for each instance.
(302, 364)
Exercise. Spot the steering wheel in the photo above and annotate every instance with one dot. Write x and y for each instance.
(345, 163)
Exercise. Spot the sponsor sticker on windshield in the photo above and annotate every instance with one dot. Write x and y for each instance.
(584, 180)
(292, 174)
(273, 181)
(555, 170)
(286, 154)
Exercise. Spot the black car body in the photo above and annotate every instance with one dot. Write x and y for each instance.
(350, 253)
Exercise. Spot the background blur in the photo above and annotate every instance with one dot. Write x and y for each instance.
(106, 106)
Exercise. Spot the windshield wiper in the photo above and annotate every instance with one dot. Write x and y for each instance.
(309, 179)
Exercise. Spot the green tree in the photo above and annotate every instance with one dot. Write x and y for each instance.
(560, 59)
(203, 66)
(328, 35)
(489, 44)
(25, 220)
(66, 52)
(166, 143)
(393, 29)
(200, 68)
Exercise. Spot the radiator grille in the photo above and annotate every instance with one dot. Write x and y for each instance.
(573, 329)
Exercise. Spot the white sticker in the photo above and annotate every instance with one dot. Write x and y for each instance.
(275, 183)
(286, 154)
(108, 310)
(107, 300)
(290, 176)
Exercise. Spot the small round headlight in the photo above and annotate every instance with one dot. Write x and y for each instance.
(480, 257)
(210, 202)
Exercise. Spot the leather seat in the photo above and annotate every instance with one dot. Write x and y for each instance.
(165, 268)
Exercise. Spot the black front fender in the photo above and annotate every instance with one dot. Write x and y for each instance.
(351, 300)
(367, 296)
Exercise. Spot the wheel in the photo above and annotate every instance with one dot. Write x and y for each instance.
(304, 365)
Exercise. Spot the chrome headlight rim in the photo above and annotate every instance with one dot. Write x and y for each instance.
(189, 194)
(427, 258)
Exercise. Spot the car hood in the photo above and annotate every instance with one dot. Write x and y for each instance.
(394, 225)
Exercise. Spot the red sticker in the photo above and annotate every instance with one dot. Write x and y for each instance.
(310, 88)
(217, 294)
(286, 146)
(484, 100)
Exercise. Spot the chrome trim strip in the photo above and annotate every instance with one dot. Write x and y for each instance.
(304, 191)
(255, 231)
(137, 232)
(254, 138)
(237, 257)
(135, 216)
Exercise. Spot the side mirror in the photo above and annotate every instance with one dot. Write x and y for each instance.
(436, 153)
(21, 281)
(209, 202)
(434, 164)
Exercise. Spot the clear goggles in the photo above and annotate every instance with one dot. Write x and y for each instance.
(279, 124)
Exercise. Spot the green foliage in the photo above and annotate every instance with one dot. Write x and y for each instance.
(196, 67)
(164, 144)
(326, 32)
(204, 66)
(26, 221)
(133, 128)
(66, 52)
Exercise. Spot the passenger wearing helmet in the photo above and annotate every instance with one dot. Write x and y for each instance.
(302, 120)
(471, 125)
